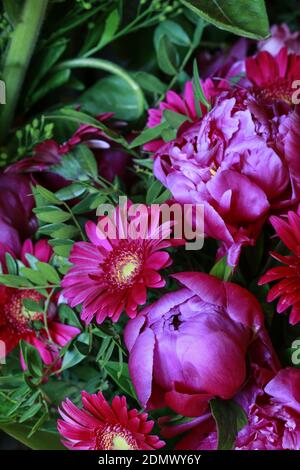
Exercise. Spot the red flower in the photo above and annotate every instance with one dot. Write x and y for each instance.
(288, 289)
(19, 322)
(99, 426)
(272, 77)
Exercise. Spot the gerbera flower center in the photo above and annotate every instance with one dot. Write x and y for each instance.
(124, 264)
(280, 90)
(17, 315)
(115, 437)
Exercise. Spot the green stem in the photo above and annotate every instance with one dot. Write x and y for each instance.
(107, 66)
(18, 57)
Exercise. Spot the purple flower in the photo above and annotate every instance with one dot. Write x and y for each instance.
(191, 345)
(17, 221)
(234, 162)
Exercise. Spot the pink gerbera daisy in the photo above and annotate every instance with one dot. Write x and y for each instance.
(99, 426)
(184, 104)
(288, 287)
(272, 77)
(112, 272)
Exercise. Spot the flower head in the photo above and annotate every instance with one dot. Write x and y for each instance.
(100, 426)
(281, 36)
(191, 345)
(238, 184)
(287, 290)
(273, 77)
(19, 322)
(112, 272)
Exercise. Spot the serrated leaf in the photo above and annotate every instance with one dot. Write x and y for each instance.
(124, 382)
(67, 315)
(32, 359)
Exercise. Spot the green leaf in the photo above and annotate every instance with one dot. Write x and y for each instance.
(46, 59)
(32, 359)
(67, 315)
(11, 264)
(173, 31)
(222, 270)
(48, 195)
(174, 119)
(149, 134)
(241, 17)
(198, 91)
(67, 231)
(112, 94)
(11, 382)
(31, 412)
(43, 439)
(34, 276)
(87, 160)
(54, 81)
(61, 247)
(48, 272)
(156, 193)
(70, 192)
(90, 202)
(124, 381)
(51, 214)
(33, 306)
(110, 28)
(167, 57)
(230, 418)
(150, 83)
(71, 358)
(14, 281)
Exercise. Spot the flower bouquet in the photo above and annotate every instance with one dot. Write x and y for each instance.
(150, 224)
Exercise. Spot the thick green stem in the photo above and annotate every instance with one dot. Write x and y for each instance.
(18, 57)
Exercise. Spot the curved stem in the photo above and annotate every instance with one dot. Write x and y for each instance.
(18, 57)
(107, 66)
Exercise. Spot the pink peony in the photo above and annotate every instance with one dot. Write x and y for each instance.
(238, 163)
(112, 272)
(191, 345)
(100, 426)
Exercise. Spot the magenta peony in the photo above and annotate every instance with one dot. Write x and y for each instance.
(191, 345)
(100, 426)
(238, 183)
